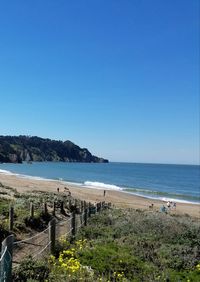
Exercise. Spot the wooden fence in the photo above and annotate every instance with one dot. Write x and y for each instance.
(43, 243)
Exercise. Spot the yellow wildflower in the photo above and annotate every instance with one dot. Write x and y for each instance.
(198, 266)
(52, 259)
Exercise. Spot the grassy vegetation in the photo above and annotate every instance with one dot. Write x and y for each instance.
(127, 245)
(4, 210)
(23, 223)
(117, 245)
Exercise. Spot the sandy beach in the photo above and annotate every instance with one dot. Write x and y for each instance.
(118, 198)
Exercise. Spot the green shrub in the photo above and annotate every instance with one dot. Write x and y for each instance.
(129, 245)
(30, 269)
(4, 207)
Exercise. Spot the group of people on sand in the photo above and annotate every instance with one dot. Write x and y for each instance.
(170, 205)
(66, 190)
(163, 208)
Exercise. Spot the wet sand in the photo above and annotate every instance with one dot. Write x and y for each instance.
(118, 198)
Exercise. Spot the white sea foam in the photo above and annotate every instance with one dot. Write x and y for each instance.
(71, 183)
(100, 185)
(7, 172)
(33, 177)
(164, 199)
(178, 201)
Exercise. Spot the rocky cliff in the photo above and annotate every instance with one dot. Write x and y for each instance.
(16, 149)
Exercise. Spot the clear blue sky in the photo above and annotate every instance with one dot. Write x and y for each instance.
(118, 77)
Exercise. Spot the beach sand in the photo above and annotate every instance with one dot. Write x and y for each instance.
(118, 198)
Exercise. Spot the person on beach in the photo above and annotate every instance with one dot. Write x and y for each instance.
(163, 209)
(58, 190)
(168, 205)
(66, 189)
(174, 205)
(151, 206)
(104, 193)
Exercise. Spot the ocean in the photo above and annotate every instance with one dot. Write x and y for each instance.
(180, 183)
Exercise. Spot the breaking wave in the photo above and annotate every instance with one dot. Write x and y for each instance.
(101, 185)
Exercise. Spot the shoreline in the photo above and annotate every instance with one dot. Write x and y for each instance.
(117, 198)
(106, 187)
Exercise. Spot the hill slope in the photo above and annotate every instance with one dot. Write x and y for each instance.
(16, 149)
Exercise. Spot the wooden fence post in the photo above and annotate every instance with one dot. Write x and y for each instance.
(70, 204)
(82, 206)
(6, 263)
(45, 208)
(89, 210)
(85, 205)
(85, 216)
(52, 235)
(81, 217)
(100, 206)
(73, 224)
(11, 218)
(95, 209)
(62, 207)
(31, 210)
(54, 208)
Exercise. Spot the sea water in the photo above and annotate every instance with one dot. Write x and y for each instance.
(180, 183)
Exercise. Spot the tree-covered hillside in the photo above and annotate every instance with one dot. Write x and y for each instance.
(16, 149)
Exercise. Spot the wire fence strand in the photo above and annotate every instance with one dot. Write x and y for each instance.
(39, 253)
(30, 238)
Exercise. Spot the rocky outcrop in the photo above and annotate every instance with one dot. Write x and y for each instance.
(16, 149)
